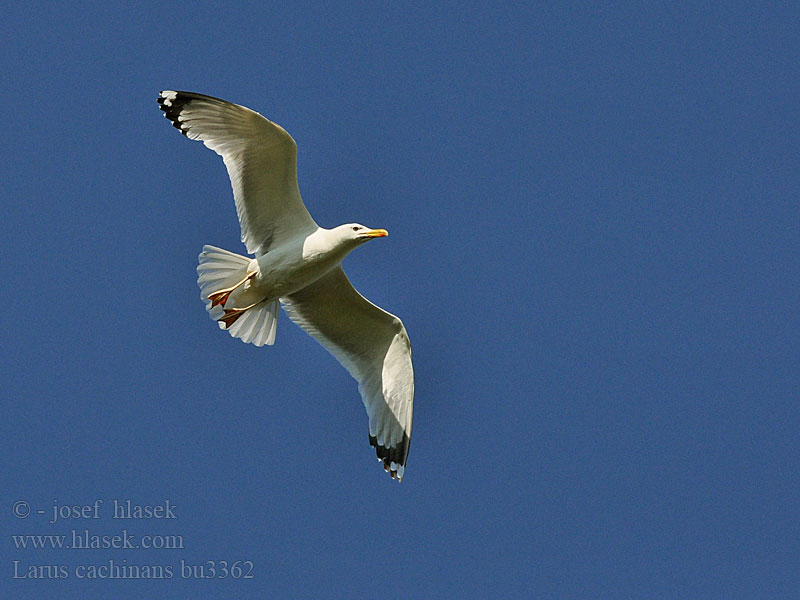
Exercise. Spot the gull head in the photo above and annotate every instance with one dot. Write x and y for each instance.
(356, 234)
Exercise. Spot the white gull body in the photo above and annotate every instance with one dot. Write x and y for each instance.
(297, 265)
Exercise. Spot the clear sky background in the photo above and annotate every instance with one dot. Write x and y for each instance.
(594, 247)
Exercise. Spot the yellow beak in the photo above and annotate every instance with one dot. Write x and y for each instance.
(373, 233)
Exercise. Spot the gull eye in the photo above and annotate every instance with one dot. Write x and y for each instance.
(356, 228)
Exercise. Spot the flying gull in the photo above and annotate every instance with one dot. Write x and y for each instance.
(297, 265)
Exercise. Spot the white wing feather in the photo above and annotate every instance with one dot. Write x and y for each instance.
(373, 346)
(261, 158)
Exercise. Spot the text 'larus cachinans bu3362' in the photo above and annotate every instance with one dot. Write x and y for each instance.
(297, 265)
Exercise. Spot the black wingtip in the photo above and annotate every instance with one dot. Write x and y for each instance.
(172, 103)
(396, 454)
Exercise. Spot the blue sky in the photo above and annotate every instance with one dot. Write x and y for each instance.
(594, 235)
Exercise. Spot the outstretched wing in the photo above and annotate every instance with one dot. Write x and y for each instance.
(373, 346)
(261, 158)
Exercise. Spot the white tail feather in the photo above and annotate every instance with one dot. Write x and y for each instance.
(220, 269)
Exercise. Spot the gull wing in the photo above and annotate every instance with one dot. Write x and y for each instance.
(261, 158)
(373, 346)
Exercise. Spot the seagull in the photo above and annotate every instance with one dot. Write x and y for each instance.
(296, 265)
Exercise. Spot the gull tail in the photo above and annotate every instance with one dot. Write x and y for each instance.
(219, 273)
